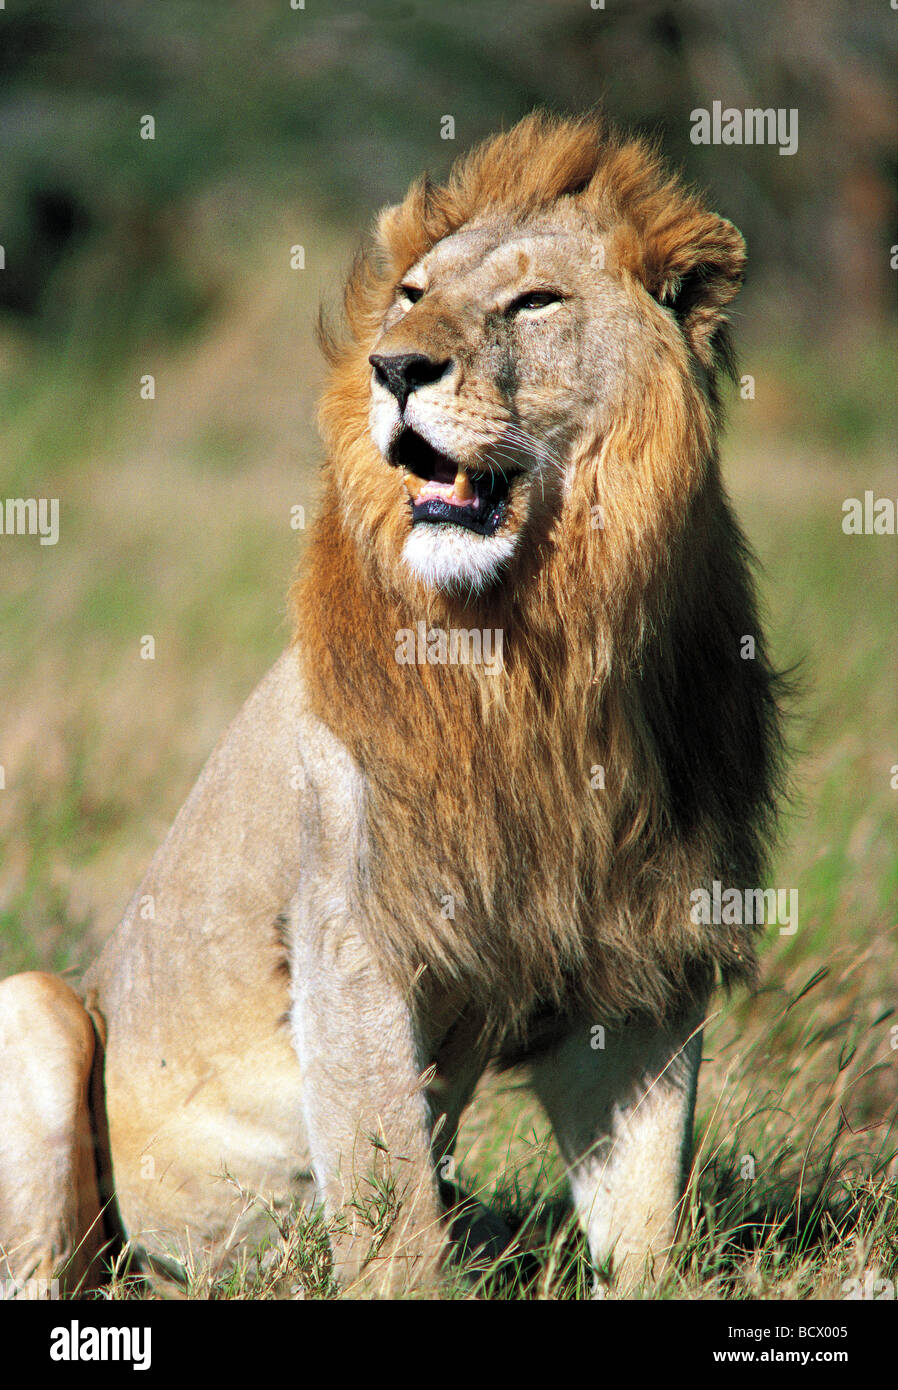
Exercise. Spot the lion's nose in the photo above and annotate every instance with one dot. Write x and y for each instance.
(404, 372)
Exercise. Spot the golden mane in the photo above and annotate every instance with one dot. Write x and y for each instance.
(621, 644)
(665, 229)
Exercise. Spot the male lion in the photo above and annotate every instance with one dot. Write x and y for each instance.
(402, 865)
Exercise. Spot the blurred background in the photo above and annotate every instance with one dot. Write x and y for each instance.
(276, 128)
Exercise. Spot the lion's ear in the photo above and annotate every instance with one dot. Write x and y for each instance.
(398, 234)
(406, 230)
(694, 266)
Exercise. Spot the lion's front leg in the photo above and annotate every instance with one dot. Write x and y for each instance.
(622, 1104)
(366, 1112)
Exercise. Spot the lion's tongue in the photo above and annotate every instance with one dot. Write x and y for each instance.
(458, 492)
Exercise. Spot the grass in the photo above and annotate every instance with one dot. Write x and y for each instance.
(175, 523)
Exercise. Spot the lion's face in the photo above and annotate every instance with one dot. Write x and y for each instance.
(537, 340)
(502, 346)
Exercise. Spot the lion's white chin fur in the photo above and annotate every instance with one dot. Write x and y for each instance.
(454, 560)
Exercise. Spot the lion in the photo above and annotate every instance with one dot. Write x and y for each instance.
(405, 864)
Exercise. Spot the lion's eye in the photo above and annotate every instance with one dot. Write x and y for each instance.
(533, 300)
(411, 293)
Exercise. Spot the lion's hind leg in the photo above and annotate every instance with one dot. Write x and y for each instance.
(50, 1227)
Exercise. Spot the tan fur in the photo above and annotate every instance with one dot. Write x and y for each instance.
(289, 1002)
(49, 1203)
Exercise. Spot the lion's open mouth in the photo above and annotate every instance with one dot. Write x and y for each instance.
(442, 491)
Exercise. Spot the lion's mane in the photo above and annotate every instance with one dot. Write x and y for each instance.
(622, 643)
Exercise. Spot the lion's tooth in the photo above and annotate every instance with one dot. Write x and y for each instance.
(413, 483)
(463, 490)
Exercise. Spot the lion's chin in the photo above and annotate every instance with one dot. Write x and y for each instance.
(455, 560)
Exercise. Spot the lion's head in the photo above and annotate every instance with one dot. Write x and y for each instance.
(503, 326)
